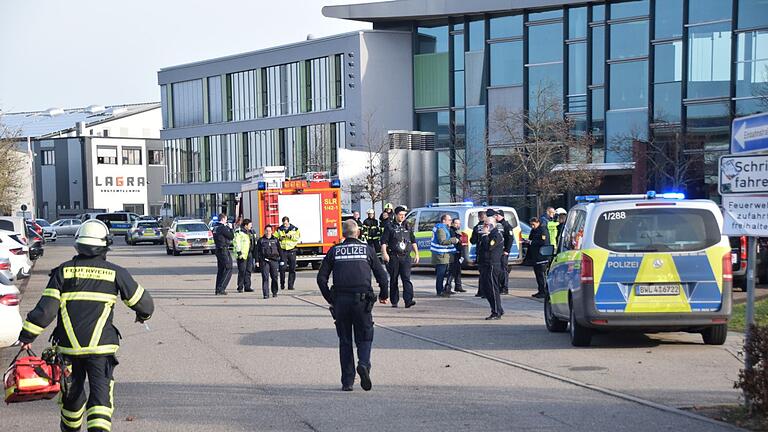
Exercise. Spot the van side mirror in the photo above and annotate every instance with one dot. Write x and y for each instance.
(547, 251)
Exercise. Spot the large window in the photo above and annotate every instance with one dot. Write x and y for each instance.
(47, 157)
(629, 40)
(507, 63)
(709, 74)
(132, 155)
(628, 9)
(545, 62)
(437, 122)
(506, 27)
(106, 155)
(704, 11)
(187, 103)
(155, 157)
(215, 103)
(752, 13)
(669, 19)
(623, 128)
(545, 43)
(629, 85)
(752, 64)
(598, 55)
(668, 74)
(431, 68)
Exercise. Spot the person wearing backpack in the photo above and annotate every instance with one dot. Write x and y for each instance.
(268, 257)
(81, 295)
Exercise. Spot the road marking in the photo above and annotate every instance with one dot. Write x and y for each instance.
(542, 372)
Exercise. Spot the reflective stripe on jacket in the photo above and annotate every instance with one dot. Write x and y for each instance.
(242, 244)
(288, 237)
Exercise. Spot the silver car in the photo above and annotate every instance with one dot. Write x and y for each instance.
(48, 232)
(187, 236)
(144, 231)
(66, 227)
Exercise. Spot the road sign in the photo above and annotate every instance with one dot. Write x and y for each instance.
(745, 215)
(750, 134)
(743, 174)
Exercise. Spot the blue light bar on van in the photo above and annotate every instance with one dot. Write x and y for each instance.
(673, 195)
(262, 185)
(335, 183)
(648, 195)
(587, 198)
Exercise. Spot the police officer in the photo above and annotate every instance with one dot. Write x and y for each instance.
(243, 247)
(289, 237)
(454, 272)
(509, 238)
(396, 245)
(442, 248)
(372, 231)
(222, 237)
(268, 256)
(82, 293)
(538, 237)
(490, 249)
(352, 300)
(474, 239)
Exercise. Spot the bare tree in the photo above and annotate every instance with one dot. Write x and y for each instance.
(13, 165)
(662, 156)
(544, 157)
(465, 184)
(378, 183)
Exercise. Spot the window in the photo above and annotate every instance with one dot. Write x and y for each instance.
(544, 84)
(507, 63)
(477, 35)
(708, 74)
(667, 102)
(573, 232)
(668, 66)
(704, 11)
(657, 230)
(546, 43)
(668, 74)
(598, 13)
(131, 156)
(506, 26)
(752, 13)
(622, 128)
(553, 14)
(629, 85)
(431, 68)
(437, 122)
(48, 157)
(214, 100)
(155, 157)
(629, 40)
(629, 9)
(598, 55)
(428, 219)
(577, 23)
(106, 155)
(669, 19)
(577, 69)
(187, 97)
(430, 40)
(752, 64)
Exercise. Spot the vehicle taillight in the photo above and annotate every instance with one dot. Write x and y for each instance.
(743, 251)
(727, 268)
(17, 251)
(587, 269)
(9, 300)
(5, 265)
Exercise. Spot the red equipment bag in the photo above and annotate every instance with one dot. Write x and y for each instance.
(30, 378)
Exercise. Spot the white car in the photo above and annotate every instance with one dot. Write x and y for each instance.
(16, 226)
(187, 236)
(5, 266)
(16, 253)
(10, 318)
(48, 232)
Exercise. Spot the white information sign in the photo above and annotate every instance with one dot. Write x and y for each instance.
(745, 215)
(743, 174)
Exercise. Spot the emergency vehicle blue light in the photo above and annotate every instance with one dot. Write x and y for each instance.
(650, 194)
(673, 195)
(336, 183)
(261, 185)
(587, 198)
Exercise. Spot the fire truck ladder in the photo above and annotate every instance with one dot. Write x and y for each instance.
(272, 213)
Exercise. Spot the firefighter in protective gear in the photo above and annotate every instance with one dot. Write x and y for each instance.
(289, 237)
(243, 247)
(82, 293)
(372, 231)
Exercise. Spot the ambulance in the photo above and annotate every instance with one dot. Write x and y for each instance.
(651, 263)
(423, 219)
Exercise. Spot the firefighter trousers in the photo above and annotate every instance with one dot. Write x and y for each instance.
(99, 404)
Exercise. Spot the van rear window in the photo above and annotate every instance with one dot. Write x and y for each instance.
(657, 230)
(113, 217)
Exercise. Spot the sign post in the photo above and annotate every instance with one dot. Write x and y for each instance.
(743, 184)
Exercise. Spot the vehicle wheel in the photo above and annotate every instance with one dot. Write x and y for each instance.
(580, 336)
(715, 335)
(206, 252)
(176, 252)
(316, 265)
(554, 324)
(167, 250)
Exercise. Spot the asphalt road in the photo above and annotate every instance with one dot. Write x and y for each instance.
(242, 363)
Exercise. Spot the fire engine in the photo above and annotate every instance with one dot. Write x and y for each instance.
(312, 203)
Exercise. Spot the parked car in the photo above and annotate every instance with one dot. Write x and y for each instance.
(66, 227)
(118, 222)
(739, 259)
(5, 265)
(10, 318)
(186, 236)
(15, 225)
(49, 234)
(144, 231)
(16, 253)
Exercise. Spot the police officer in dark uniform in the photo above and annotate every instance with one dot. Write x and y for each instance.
(81, 295)
(268, 257)
(490, 249)
(222, 237)
(352, 300)
(396, 245)
(474, 239)
(509, 238)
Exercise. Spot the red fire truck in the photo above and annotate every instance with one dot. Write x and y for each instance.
(313, 204)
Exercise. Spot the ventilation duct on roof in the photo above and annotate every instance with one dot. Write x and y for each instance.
(52, 112)
(95, 109)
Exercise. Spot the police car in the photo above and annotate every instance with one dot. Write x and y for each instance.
(641, 262)
(423, 219)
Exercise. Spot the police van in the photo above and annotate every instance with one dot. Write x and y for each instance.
(421, 220)
(118, 222)
(641, 262)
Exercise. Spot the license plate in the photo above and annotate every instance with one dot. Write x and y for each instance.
(658, 290)
(149, 233)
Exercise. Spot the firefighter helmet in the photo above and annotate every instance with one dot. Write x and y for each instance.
(388, 206)
(371, 211)
(92, 238)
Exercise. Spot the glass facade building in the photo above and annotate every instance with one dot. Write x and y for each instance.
(671, 72)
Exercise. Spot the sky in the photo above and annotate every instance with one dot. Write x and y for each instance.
(75, 53)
